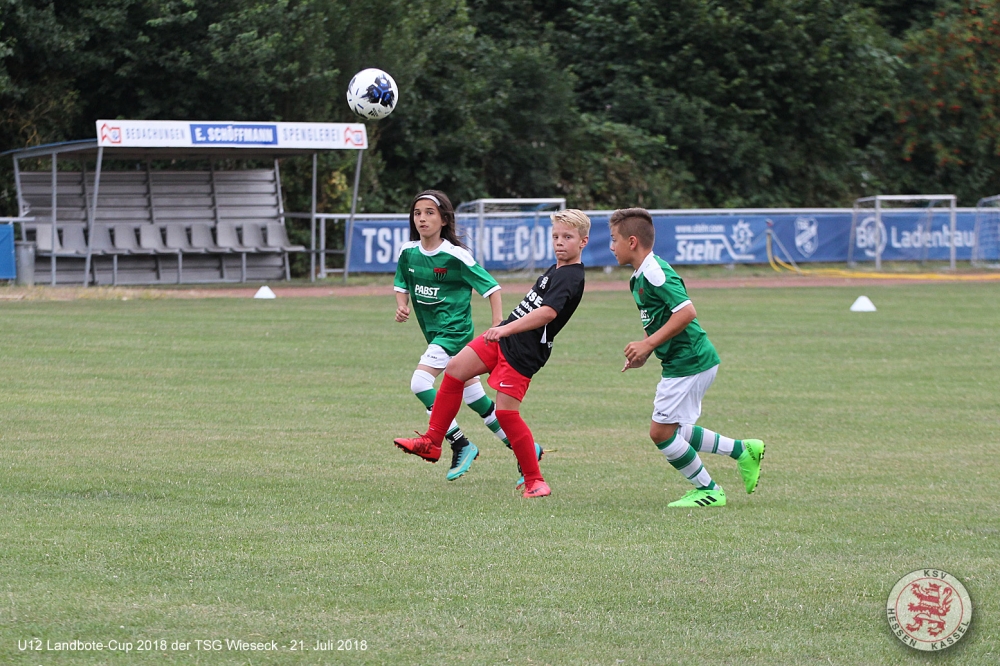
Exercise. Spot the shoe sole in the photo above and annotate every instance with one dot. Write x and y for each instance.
(467, 468)
(414, 453)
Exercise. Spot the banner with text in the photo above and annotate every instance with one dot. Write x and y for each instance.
(518, 243)
(220, 134)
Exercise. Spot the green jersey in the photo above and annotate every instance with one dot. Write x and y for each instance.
(659, 292)
(440, 285)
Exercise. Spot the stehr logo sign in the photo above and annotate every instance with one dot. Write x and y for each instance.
(806, 235)
(929, 609)
(707, 242)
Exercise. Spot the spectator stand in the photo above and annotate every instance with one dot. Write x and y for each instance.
(144, 225)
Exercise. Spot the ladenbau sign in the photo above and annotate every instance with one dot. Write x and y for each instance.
(185, 134)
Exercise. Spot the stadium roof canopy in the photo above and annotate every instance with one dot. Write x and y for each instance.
(88, 148)
(198, 139)
(177, 139)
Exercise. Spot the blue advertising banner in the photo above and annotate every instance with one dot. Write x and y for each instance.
(8, 269)
(519, 242)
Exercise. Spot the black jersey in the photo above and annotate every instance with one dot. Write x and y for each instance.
(560, 289)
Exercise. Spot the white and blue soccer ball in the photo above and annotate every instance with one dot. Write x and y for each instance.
(372, 94)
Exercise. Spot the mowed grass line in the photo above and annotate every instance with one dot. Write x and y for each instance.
(224, 469)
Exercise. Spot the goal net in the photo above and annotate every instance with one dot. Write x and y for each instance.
(869, 235)
(986, 248)
(509, 234)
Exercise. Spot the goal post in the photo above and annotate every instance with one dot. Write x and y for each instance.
(986, 247)
(510, 234)
(868, 229)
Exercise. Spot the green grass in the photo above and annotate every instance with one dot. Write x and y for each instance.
(184, 470)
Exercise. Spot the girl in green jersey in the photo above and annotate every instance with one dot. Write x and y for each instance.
(438, 273)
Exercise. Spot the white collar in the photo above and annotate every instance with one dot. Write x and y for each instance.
(445, 244)
(646, 263)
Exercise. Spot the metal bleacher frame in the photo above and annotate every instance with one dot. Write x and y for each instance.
(144, 225)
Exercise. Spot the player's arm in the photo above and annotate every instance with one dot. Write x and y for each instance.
(401, 290)
(479, 279)
(496, 308)
(637, 352)
(402, 306)
(529, 322)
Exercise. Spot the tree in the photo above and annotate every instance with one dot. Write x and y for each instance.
(949, 127)
(765, 103)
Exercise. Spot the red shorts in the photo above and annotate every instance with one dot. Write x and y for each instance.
(503, 377)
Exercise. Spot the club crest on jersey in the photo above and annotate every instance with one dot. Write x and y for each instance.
(440, 274)
(544, 281)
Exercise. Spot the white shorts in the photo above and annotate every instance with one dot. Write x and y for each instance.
(435, 357)
(678, 399)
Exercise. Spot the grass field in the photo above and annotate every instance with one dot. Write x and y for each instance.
(186, 471)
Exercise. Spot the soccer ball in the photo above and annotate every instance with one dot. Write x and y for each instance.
(372, 94)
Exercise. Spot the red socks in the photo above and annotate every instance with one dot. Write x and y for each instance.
(521, 440)
(447, 402)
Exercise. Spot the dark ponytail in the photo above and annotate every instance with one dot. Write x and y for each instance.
(449, 230)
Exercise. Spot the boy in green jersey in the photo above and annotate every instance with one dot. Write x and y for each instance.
(438, 273)
(688, 359)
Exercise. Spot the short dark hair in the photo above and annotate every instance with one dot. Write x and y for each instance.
(634, 222)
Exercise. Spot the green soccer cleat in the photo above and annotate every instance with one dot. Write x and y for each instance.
(698, 497)
(749, 462)
(461, 460)
(539, 451)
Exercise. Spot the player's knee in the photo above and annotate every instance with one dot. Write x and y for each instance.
(421, 381)
(661, 432)
(456, 369)
(464, 366)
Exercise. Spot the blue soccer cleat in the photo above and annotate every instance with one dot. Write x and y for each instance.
(461, 460)
(539, 451)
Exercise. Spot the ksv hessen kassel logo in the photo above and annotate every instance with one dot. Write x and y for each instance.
(929, 609)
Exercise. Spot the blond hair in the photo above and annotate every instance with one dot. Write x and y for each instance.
(573, 217)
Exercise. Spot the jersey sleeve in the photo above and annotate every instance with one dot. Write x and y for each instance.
(479, 279)
(563, 286)
(399, 282)
(673, 293)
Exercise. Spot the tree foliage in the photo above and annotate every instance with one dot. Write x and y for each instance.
(949, 119)
(761, 101)
(607, 102)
